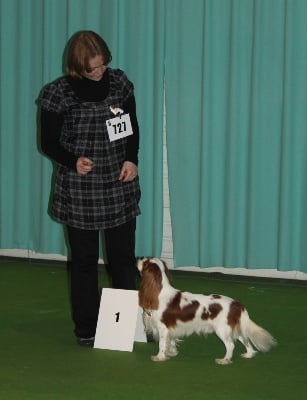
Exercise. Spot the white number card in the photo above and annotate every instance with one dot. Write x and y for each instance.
(119, 127)
(119, 321)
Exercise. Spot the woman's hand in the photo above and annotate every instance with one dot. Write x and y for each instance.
(129, 172)
(84, 165)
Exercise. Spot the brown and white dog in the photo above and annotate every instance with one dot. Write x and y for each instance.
(170, 314)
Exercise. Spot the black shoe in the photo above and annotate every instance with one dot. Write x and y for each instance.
(150, 337)
(86, 342)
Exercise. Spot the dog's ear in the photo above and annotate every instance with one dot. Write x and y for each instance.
(150, 287)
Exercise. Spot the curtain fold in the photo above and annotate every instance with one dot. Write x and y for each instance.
(236, 132)
(33, 36)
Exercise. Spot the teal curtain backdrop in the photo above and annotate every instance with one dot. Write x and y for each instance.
(236, 101)
(33, 36)
(235, 83)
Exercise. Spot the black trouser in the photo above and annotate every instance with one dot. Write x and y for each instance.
(84, 247)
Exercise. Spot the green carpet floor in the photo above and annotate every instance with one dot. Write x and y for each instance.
(40, 360)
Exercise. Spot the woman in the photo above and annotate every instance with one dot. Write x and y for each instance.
(96, 187)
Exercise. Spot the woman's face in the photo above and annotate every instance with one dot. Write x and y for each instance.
(96, 69)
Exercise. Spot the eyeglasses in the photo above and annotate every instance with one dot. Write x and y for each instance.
(92, 70)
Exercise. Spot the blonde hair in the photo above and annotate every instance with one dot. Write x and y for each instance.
(82, 47)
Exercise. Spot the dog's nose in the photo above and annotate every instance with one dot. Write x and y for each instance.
(139, 263)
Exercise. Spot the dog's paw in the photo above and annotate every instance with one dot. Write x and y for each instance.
(172, 352)
(159, 358)
(249, 354)
(223, 361)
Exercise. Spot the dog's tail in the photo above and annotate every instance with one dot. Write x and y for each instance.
(258, 336)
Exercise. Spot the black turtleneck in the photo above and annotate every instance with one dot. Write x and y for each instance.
(87, 90)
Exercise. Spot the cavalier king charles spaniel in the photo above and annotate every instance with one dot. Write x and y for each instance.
(170, 314)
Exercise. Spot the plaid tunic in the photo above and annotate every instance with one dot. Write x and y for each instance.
(97, 200)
